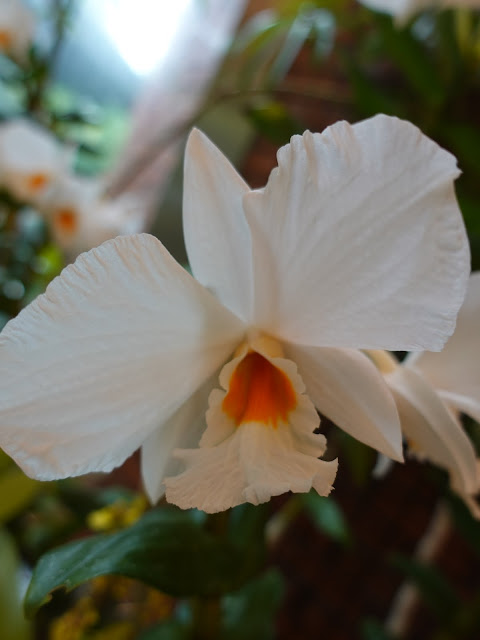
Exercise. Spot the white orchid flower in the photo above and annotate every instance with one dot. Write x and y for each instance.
(355, 242)
(17, 25)
(81, 217)
(31, 160)
(432, 389)
(403, 10)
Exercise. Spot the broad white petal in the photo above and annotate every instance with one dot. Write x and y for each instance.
(253, 460)
(112, 349)
(358, 240)
(347, 388)
(433, 432)
(216, 232)
(183, 430)
(456, 369)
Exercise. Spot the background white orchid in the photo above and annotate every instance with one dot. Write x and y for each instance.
(432, 389)
(31, 160)
(17, 24)
(355, 242)
(81, 217)
(402, 10)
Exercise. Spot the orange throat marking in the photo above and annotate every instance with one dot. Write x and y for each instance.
(5, 40)
(66, 220)
(37, 181)
(259, 392)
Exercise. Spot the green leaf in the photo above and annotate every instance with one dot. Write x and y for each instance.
(465, 523)
(13, 625)
(169, 630)
(17, 491)
(273, 120)
(359, 457)
(373, 630)
(413, 59)
(433, 586)
(250, 613)
(167, 548)
(327, 516)
(369, 97)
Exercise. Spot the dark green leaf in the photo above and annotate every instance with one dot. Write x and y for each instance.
(413, 59)
(250, 613)
(433, 586)
(13, 625)
(465, 523)
(369, 97)
(274, 121)
(373, 630)
(167, 549)
(359, 457)
(327, 516)
(170, 630)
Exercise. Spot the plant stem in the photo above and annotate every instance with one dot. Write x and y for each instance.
(206, 618)
(408, 597)
(207, 610)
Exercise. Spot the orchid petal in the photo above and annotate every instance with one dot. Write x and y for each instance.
(456, 369)
(432, 431)
(112, 349)
(358, 241)
(251, 466)
(253, 460)
(346, 387)
(183, 430)
(216, 231)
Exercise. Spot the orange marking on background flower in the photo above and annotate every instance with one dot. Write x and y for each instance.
(259, 392)
(66, 220)
(5, 40)
(37, 181)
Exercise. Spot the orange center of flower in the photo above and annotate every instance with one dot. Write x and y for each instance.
(259, 392)
(66, 220)
(37, 181)
(5, 40)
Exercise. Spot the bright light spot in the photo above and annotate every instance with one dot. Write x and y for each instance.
(143, 30)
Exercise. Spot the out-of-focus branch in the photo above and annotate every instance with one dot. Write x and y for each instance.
(327, 91)
(407, 597)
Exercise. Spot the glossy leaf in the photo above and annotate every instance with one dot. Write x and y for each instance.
(327, 516)
(250, 613)
(167, 549)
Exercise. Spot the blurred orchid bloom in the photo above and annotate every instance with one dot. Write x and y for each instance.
(432, 389)
(17, 25)
(31, 160)
(81, 217)
(355, 242)
(402, 10)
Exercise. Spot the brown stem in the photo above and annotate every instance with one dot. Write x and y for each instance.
(407, 597)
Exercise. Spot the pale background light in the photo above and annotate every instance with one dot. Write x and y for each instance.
(142, 31)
